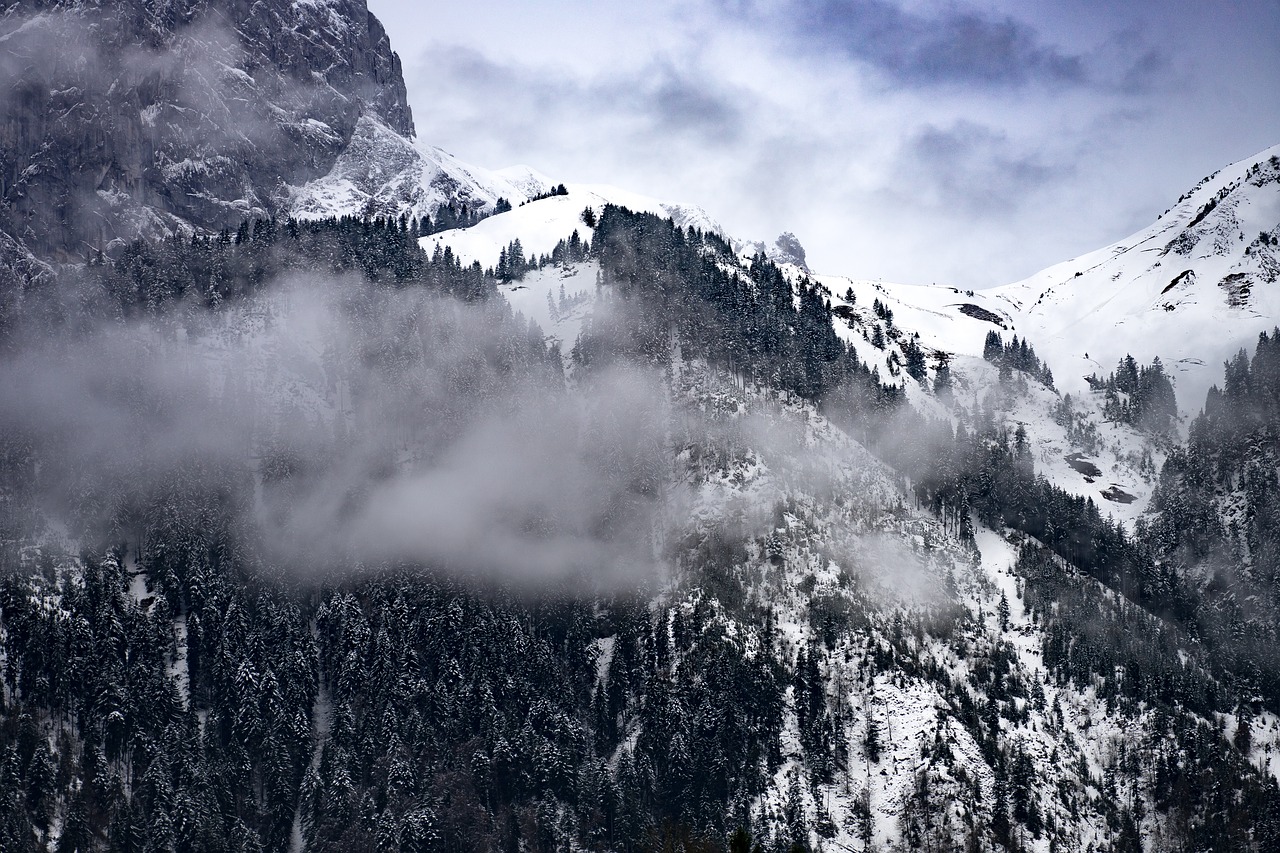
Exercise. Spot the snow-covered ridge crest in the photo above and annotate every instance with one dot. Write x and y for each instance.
(1193, 288)
(540, 224)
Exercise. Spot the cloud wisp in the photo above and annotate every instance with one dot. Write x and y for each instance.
(674, 99)
(379, 426)
(973, 168)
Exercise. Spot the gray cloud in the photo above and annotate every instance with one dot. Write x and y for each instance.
(661, 96)
(956, 46)
(1132, 62)
(974, 168)
(682, 103)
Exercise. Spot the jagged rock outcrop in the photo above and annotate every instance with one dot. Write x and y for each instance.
(787, 250)
(382, 173)
(128, 118)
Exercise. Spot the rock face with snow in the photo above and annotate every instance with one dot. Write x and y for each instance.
(383, 172)
(135, 118)
(787, 250)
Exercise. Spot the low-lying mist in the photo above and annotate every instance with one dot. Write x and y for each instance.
(338, 424)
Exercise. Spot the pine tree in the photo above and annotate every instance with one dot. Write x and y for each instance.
(993, 347)
(942, 377)
(1244, 731)
(872, 741)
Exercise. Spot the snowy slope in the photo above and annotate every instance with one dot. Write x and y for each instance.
(557, 298)
(1193, 288)
(1126, 461)
(944, 318)
(539, 225)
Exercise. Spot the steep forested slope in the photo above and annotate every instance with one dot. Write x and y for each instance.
(799, 648)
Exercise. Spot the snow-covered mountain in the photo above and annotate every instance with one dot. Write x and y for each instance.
(1193, 289)
(1081, 316)
(128, 119)
(882, 588)
(1222, 236)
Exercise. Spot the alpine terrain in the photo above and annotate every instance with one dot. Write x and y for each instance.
(356, 498)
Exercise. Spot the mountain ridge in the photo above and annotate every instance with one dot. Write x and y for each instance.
(1212, 256)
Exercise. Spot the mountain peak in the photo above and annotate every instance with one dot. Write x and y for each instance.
(787, 250)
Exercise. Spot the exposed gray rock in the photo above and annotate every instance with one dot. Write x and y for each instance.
(126, 118)
(18, 269)
(381, 173)
(787, 250)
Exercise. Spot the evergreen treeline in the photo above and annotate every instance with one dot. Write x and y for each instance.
(395, 712)
(449, 216)
(513, 264)
(1217, 516)
(150, 276)
(446, 719)
(557, 190)
(760, 327)
(1203, 783)
(989, 473)
(1015, 355)
(1140, 396)
(1215, 583)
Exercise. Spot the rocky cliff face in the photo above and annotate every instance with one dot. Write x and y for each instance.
(128, 118)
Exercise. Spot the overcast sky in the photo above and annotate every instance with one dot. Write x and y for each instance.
(910, 140)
